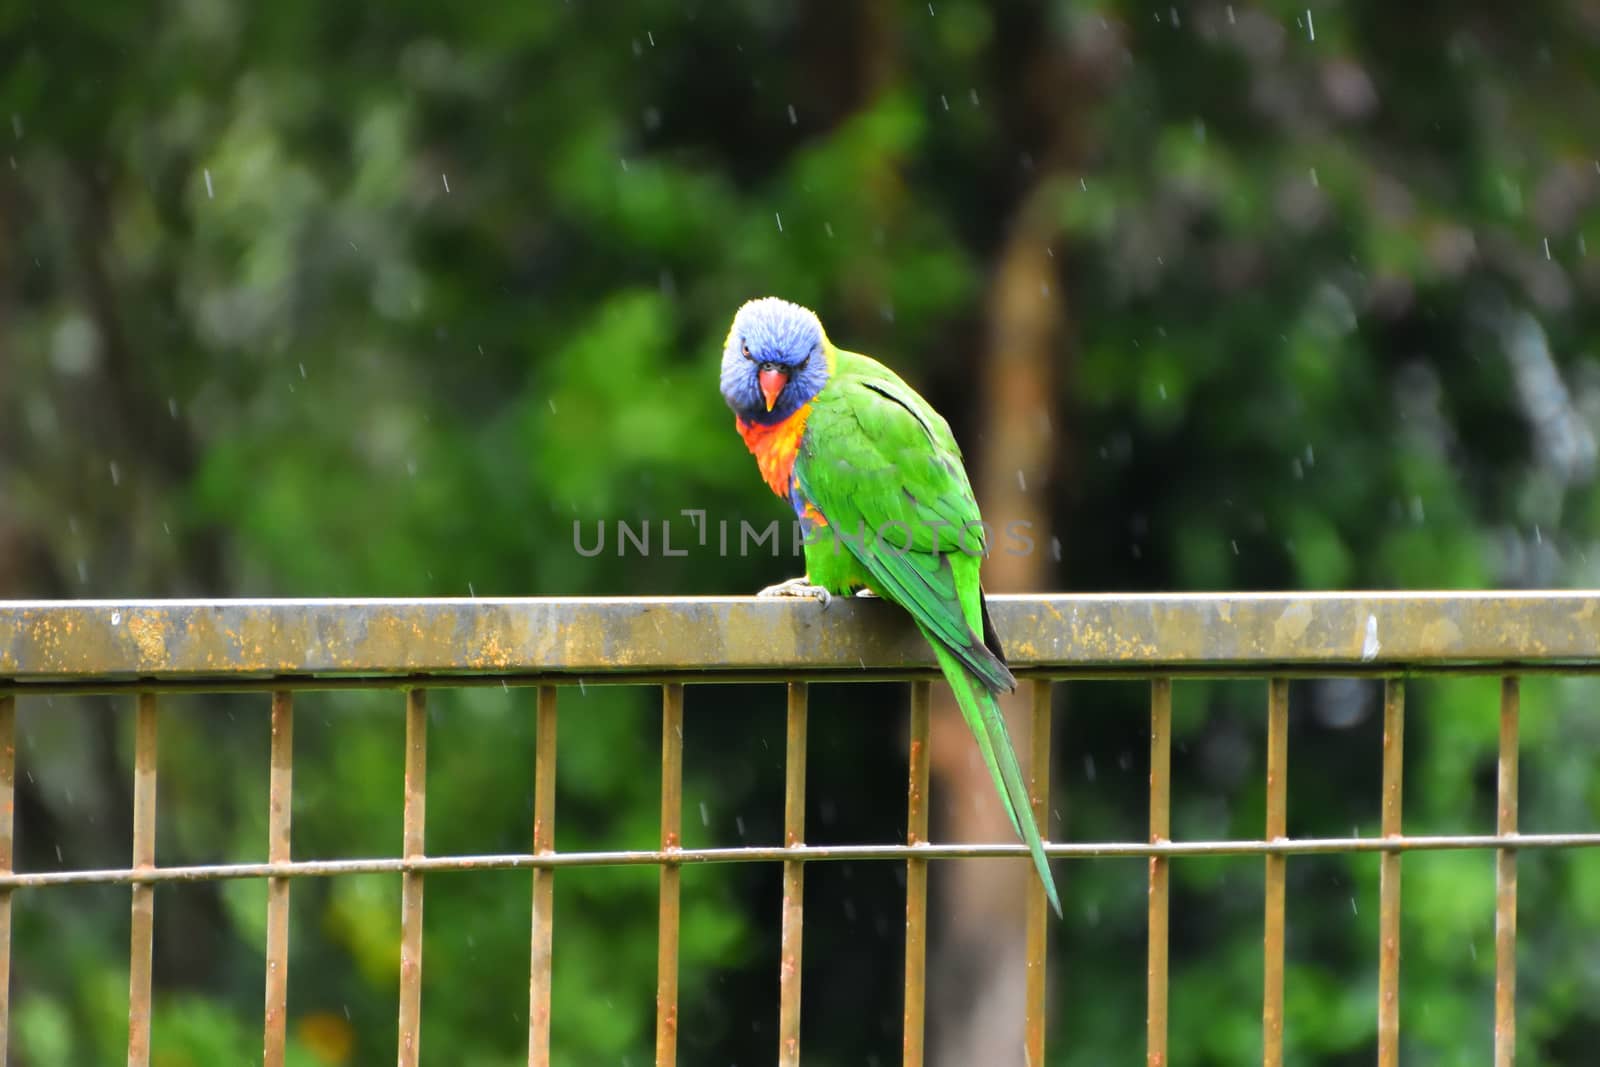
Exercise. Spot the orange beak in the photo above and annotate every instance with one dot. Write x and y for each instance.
(772, 380)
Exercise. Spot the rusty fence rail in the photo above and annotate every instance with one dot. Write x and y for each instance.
(146, 648)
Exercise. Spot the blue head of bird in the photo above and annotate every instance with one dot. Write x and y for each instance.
(775, 360)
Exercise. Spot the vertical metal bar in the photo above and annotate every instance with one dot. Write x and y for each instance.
(544, 881)
(279, 808)
(671, 838)
(1394, 721)
(1038, 941)
(794, 833)
(411, 881)
(144, 858)
(1505, 894)
(8, 794)
(1277, 828)
(1155, 1027)
(917, 878)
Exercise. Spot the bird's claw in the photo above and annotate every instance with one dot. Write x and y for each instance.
(798, 587)
(866, 593)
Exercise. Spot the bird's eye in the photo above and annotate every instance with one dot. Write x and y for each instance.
(746, 348)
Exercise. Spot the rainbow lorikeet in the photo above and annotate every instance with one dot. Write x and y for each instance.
(876, 478)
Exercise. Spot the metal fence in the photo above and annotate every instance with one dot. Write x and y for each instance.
(146, 648)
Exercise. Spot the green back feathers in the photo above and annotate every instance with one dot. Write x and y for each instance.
(885, 470)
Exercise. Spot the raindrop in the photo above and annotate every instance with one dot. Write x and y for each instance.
(1298, 471)
(16, 124)
(794, 120)
(828, 228)
(624, 163)
(116, 618)
(1353, 906)
(1022, 483)
(210, 193)
(1055, 549)
(1311, 27)
(1088, 767)
(651, 37)
(1547, 248)
(1234, 545)
(1417, 514)
(705, 815)
(471, 591)
(738, 822)
(1314, 183)
(945, 101)
(930, 15)
(172, 406)
(446, 179)
(1083, 184)
(303, 371)
(780, 221)
(1161, 387)
(1538, 535)
(972, 94)
(1231, 19)
(116, 473)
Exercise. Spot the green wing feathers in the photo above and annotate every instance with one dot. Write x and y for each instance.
(885, 472)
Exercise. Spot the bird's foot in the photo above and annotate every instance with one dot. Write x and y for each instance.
(798, 587)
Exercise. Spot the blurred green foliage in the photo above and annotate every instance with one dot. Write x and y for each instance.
(381, 299)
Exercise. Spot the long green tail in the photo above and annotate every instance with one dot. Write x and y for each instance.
(988, 728)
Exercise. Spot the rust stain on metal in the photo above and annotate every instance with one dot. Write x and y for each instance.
(1277, 828)
(1389, 876)
(413, 834)
(667, 927)
(793, 915)
(913, 1031)
(1156, 969)
(1036, 1011)
(541, 961)
(144, 859)
(279, 810)
(8, 793)
(1505, 896)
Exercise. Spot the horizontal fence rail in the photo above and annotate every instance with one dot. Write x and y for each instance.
(608, 638)
(145, 648)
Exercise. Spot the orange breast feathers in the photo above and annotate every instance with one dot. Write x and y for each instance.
(775, 447)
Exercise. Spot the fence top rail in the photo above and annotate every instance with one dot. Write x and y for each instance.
(240, 640)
